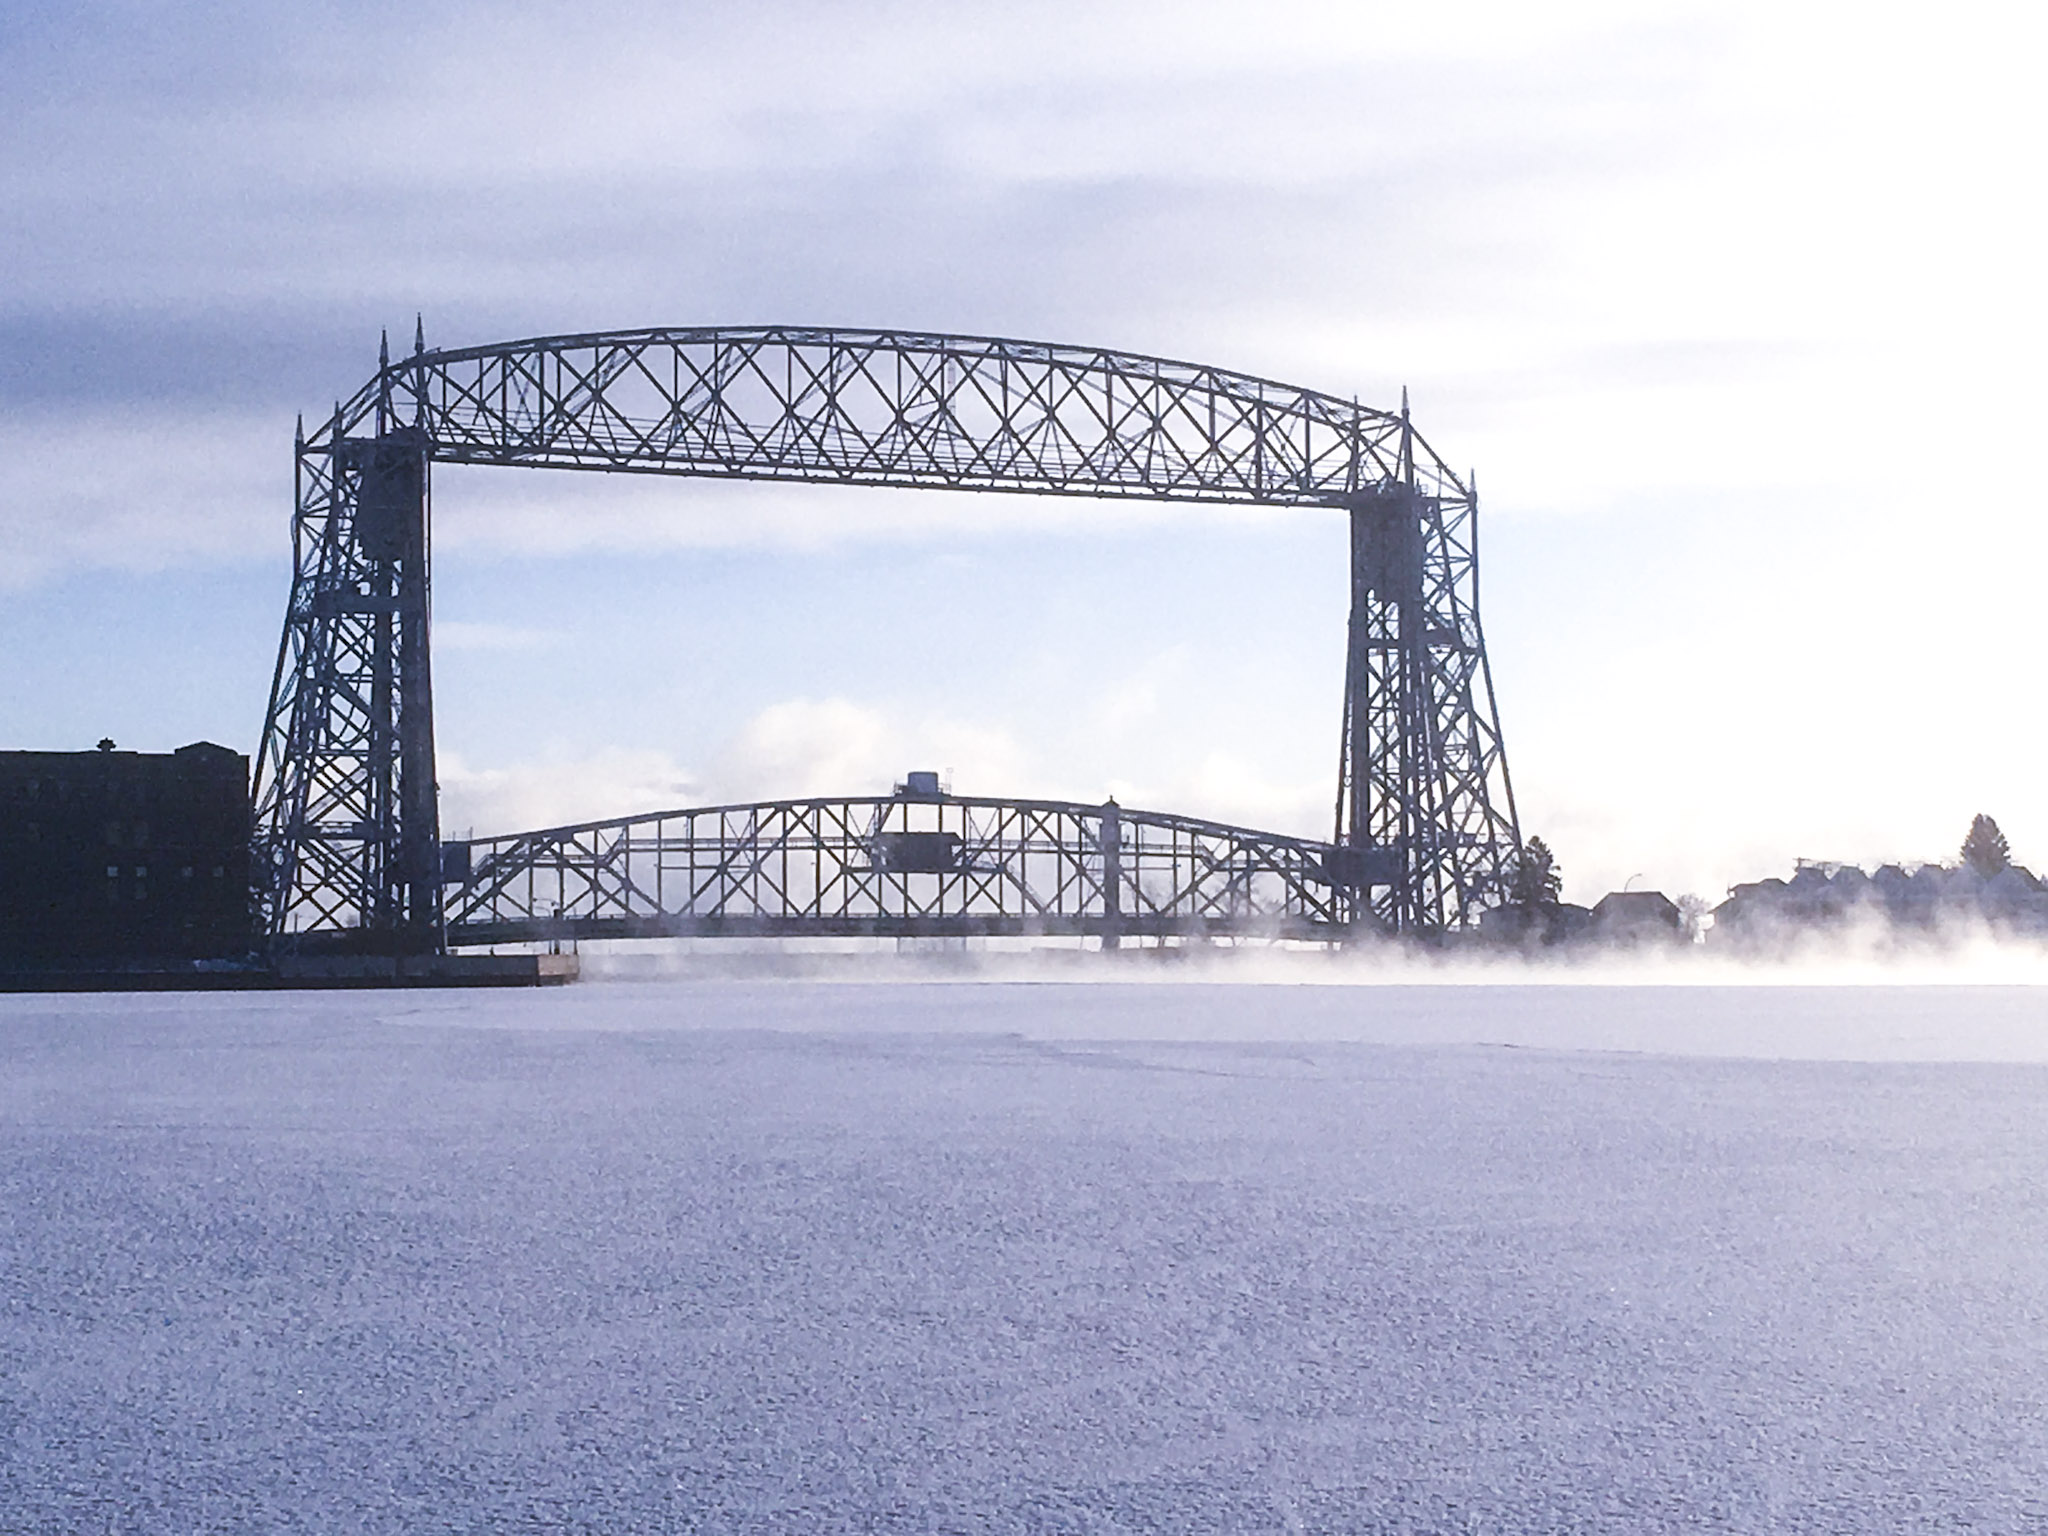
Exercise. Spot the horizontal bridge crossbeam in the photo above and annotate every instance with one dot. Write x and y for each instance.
(884, 408)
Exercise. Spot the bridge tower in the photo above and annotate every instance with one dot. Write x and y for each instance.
(1426, 823)
(348, 812)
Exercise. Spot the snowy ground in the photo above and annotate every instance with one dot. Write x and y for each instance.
(802, 1257)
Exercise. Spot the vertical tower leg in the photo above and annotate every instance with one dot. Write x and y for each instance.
(1381, 821)
(419, 809)
(1425, 815)
(347, 809)
(1110, 840)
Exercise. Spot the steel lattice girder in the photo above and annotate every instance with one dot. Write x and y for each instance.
(896, 866)
(346, 813)
(892, 408)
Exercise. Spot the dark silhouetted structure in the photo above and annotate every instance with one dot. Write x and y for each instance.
(115, 856)
(1637, 917)
(1768, 913)
(348, 821)
(921, 863)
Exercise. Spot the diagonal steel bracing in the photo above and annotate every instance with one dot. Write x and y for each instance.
(899, 866)
(346, 803)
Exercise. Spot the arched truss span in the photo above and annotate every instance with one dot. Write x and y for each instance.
(892, 408)
(896, 867)
(347, 805)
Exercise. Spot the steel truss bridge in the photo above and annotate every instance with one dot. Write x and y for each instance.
(349, 846)
(913, 864)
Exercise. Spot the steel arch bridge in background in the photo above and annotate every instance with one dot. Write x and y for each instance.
(910, 865)
(348, 819)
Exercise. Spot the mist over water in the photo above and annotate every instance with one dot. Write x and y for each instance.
(1864, 953)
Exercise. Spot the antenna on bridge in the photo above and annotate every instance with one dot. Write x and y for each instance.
(419, 377)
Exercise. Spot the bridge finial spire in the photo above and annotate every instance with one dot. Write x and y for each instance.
(419, 333)
(384, 349)
(299, 433)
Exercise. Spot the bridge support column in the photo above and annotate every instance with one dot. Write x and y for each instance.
(1111, 843)
(418, 853)
(1382, 774)
(1425, 818)
(348, 816)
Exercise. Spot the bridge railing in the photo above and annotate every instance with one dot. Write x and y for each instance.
(896, 866)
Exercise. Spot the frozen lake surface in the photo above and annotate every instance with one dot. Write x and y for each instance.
(782, 1256)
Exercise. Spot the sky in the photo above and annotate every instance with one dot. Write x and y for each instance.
(1733, 309)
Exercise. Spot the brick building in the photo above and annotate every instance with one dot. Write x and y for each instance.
(114, 855)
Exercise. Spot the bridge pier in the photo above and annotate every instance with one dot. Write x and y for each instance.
(1111, 842)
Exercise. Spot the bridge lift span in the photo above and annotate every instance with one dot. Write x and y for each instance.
(349, 846)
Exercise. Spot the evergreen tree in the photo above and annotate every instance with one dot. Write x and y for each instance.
(1537, 884)
(1985, 850)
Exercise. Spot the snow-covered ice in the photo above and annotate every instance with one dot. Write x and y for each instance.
(797, 1256)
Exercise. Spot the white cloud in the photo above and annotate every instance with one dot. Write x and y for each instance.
(1222, 785)
(788, 750)
(838, 747)
(558, 789)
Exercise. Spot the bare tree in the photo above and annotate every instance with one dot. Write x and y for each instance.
(1692, 916)
(1985, 849)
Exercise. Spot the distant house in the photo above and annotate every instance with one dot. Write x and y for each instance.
(1749, 909)
(1850, 881)
(1636, 917)
(2014, 888)
(1823, 895)
(1525, 926)
(1893, 888)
